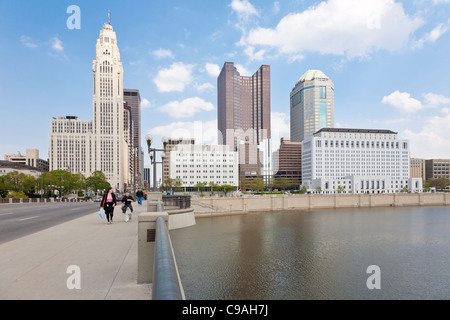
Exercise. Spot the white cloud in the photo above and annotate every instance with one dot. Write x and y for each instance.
(433, 141)
(174, 78)
(432, 36)
(56, 44)
(163, 53)
(406, 104)
(212, 69)
(243, 71)
(26, 41)
(186, 108)
(146, 104)
(205, 132)
(351, 28)
(244, 8)
(280, 126)
(258, 55)
(204, 86)
(403, 102)
(435, 100)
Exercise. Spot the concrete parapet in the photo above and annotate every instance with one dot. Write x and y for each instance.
(146, 244)
(330, 201)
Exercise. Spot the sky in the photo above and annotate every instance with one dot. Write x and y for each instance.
(388, 59)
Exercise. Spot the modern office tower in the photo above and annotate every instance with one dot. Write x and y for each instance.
(437, 168)
(417, 168)
(195, 164)
(31, 158)
(312, 105)
(243, 106)
(100, 144)
(244, 115)
(357, 161)
(289, 161)
(168, 145)
(132, 100)
(266, 156)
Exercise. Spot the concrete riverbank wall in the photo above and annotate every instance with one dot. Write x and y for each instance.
(313, 201)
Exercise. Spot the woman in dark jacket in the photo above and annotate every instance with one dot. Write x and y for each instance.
(108, 203)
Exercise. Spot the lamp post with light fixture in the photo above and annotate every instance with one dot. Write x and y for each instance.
(152, 154)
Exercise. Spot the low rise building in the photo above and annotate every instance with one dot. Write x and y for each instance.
(336, 160)
(195, 164)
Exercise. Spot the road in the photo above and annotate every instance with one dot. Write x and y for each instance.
(18, 220)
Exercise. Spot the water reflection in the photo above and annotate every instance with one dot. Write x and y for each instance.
(317, 254)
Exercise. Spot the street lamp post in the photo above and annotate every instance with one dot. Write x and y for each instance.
(152, 154)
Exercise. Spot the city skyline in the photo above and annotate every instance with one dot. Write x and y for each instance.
(387, 62)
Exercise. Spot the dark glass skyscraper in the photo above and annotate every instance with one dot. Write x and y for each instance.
(243, 106)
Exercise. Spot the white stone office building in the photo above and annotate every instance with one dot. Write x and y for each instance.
(357, 161)
(204, 163)
(102, 143)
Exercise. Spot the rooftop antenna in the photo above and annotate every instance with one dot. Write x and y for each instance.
(109, 17)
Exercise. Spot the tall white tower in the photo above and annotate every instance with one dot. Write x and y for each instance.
(111, 150)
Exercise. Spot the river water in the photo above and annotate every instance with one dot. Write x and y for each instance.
(318, 254)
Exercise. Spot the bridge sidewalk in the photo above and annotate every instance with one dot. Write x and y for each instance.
(35, 266)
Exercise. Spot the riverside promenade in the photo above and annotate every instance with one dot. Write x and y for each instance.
(37, 266)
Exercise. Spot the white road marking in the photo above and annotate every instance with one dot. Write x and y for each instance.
(28, 218)
(6, 214)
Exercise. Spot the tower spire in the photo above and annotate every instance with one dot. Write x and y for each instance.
(109, 17)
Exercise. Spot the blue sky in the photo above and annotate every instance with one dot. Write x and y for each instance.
(389, 61)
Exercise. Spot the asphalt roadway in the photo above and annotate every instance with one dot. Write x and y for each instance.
(19, 220)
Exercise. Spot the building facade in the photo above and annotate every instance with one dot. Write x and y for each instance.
(311, 105)
(437, 168)
(417, 168)
(9, 166)
(195, 164)
(31, 158)
(170, 144)
(357, 161)
(132, 101)
(289, 161)
(243, 111)
(103, 143)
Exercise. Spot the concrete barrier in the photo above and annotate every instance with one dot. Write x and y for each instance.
(307, 202)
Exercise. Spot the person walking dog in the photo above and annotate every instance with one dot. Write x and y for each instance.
(108, 203)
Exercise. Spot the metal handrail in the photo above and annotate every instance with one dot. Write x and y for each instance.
(166, 284)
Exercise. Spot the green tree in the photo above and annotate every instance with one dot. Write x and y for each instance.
(213, 187)
(257, 184)
(200, 186)
(438, 183)
(245, 183)
(319, 189)
(340, 189)
(303, 190)
(97, 181)
(227, 188)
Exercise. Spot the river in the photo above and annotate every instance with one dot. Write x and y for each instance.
(318, 254)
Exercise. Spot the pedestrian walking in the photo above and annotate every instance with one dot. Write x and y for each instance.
(108, 203)
(139, 195)
(127, 200)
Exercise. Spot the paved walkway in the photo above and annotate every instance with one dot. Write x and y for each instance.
(35, 266)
